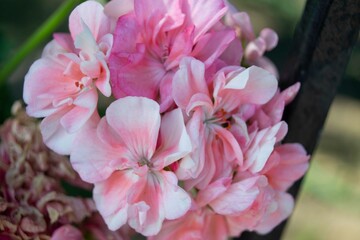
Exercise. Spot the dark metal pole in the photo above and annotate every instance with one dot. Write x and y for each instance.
(323, 42)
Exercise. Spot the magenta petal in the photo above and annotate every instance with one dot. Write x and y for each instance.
(140, 79)
(166, 98)
(137, 121)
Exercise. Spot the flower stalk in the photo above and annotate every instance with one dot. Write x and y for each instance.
(42, 33)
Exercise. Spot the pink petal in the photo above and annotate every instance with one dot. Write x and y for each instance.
(212, 191)
(166, 12)
(231, 149)
(290, 93)
(141, 79)
(233, 53)
(238, 197)
(103, 81)
(291, 167)
(262, 146)
(83, 108)
(137, 121)
(270, 37)
(242, 21)
(91, 157)
(189, 80)
(211, 45)
(215, 227)
(165, 91)
(285, 205)
(65, 41)
(176, 201)
(90, 13)
(182, 46)
(146, 212)
(187, 227)
(207, 162)
(67, 232)
(117, 8)
(266, 64)
(56, 137)
(174, 140)
(192, 165)
(255, 49)
(110, 197)
(204, 20)
(39, 92)
(260, 85)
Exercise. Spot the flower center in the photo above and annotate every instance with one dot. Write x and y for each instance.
(144, 161)
(221, 118)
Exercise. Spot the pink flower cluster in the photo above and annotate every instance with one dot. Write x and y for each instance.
(191, 147)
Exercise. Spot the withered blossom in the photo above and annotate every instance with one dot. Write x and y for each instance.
(33, 202)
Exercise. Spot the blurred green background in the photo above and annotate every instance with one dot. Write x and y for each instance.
(328, 207)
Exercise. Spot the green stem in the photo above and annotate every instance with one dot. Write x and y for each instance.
(43, 32)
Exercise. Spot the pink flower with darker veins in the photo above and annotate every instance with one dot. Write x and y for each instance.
(151, 40)
(126, 159)
(62, 85)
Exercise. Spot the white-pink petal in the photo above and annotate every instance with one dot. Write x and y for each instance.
(90, 13)
(174, 140)
(137, 121)
(111, 198)
(238, 197)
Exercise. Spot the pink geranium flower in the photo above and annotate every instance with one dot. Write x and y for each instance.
(62, 85)
(125, 159)
(215, 123)
(151, 40)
